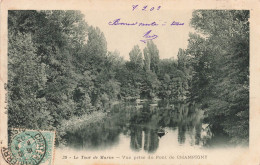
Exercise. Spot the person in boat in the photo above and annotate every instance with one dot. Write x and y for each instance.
(161, 132)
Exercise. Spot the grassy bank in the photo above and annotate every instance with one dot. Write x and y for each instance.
(75, 123)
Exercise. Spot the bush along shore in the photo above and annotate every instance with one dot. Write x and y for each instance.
(76, 123)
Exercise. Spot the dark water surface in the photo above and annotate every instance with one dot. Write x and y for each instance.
(147, 127)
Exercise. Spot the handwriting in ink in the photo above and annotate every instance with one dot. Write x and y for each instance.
(148, 24)
(117, 22)
(145, 7)
(176, 23)
(147, 36)
(134, 6)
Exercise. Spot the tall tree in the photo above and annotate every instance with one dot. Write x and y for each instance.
(151, 54)
(136, 57)
(26, 80)
(221, 68)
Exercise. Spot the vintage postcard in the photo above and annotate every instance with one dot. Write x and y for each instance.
(112, 82)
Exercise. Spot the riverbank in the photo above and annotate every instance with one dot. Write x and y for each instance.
(75, 123)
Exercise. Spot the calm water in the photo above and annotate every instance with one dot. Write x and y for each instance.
(146, 128)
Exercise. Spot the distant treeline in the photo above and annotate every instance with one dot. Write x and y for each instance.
(59, 67)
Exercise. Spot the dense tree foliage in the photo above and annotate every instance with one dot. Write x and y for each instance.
(220, 61)
(59, 68)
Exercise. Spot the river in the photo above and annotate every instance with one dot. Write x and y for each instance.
(160, 128)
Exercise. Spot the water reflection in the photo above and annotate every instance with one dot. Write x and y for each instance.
(136, 138)
(144, 126)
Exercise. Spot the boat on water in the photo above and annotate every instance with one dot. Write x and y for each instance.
(161, 132)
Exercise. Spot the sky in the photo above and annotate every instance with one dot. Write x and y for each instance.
(123, 38)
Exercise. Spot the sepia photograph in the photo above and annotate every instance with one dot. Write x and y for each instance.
(114, 87)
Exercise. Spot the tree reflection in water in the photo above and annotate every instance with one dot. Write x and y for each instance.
(143, 126)
(151, 140)
(136, 138)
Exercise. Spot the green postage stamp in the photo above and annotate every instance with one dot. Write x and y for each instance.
(30, 147)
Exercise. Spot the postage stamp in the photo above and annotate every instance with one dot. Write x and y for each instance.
(31, 147)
